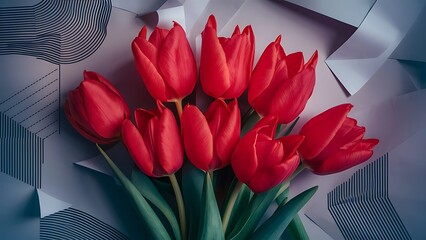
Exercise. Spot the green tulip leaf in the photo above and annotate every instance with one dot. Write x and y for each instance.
(146, 187)
(228, 195)
(252, 215)
(241, 204)
(295, 230)
(211, 223)
(272, 228)
(152, 221)
(192, 187)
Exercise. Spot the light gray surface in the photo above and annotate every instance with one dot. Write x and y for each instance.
(98, 194)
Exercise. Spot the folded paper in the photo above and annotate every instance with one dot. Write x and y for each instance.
(356, 61)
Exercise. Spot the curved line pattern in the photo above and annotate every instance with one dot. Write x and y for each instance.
(57, 31)
(75, 224)
(361, 206)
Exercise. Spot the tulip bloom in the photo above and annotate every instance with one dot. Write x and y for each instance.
(155, 145)
(281, 84)
(166, 63)
(96, 109)
(226, 63)
(209, 139)
(334, 142)
(262, 162)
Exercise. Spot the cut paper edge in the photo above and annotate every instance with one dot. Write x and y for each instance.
(137, 6)
(350, 12)
(97, 164)
(412, 46)
(50, 205)
(373, 42)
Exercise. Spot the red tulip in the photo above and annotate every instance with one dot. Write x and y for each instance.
(281, 84)
(166, 63)
(262, 162)
(96, 109)
(155, 145)
(334, 142)
(226, 63)
(209, 139)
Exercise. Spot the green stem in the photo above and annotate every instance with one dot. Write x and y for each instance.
(154, 224)
(181, 206)
(230, 206)
(179, 108)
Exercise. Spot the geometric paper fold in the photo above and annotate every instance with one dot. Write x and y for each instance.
(351, 12)
(50, 205)
(386, 24)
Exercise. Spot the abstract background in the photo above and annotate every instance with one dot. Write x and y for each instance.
(55, 185)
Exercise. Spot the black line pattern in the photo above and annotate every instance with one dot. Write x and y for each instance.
(21, 152)
(27, 118)
(361, 206)
(75, 224)
(57, 31)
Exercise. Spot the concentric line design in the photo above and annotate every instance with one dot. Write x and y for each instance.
(57, 31)
(75, 224)
(27, 118)
(361, 206)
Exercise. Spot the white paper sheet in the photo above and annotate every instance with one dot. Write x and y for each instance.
(375, 40)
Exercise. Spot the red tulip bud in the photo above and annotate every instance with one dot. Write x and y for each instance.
(334, 142)
(209, 139)
(281, 84)
(226, 63)
(262, 162)
(166, 63)
(155, 145)
(96, 109)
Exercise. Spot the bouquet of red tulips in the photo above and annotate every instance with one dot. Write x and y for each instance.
(199, 151)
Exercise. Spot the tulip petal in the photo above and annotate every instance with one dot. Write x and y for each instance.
(269, 178)
(150, 76)
(158, 36)
(312, 62)
(345, 159)
(321, 129)
(176, 63)
(169, 143)
(229, 134)
(214, 72)
(263, 102)
(291, 97)
(104, 110)
(82, 129)
(291, 143)
(142, 118)
(343, 140)
(134, 142)
(197, 138)
(295, 63)
(97, 77)
(244, 158)
(249, 32)
(264, 71)
(267, 126)
(142, 32)
(239, 57)
(269, 152)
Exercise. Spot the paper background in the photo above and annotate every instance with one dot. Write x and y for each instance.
(65, 175)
